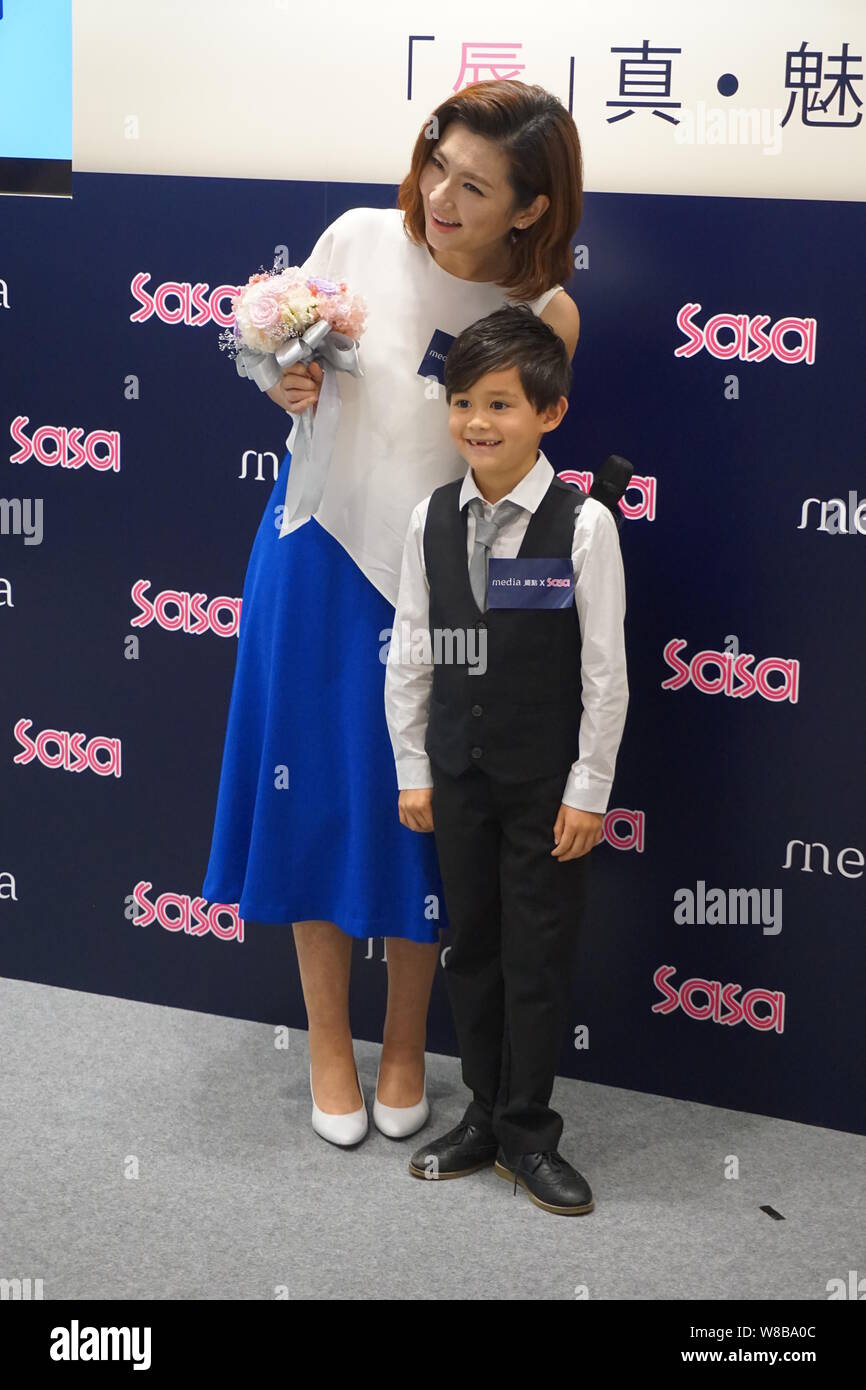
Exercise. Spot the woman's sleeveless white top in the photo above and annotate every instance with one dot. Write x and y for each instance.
(393, 446)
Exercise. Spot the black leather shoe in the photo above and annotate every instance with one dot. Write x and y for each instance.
(461, 1151)
(549, 1179)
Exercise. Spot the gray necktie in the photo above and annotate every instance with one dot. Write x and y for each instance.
(485, 534)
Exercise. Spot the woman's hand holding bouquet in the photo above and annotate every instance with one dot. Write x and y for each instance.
(292, 334)
(299, 388)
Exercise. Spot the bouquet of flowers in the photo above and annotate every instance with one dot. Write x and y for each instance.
(274, 313)
(283, 317)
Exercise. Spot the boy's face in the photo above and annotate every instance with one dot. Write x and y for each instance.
(495, 428)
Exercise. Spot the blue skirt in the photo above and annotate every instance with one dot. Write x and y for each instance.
(306, 821)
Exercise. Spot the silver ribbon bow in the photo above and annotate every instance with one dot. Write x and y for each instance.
(314, 440)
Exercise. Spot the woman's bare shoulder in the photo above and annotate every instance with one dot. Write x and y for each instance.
(563, 315)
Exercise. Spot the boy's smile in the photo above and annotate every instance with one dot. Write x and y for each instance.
(496, 429)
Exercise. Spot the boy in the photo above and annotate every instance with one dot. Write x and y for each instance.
(493, 753)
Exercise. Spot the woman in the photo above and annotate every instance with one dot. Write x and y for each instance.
(306, 826)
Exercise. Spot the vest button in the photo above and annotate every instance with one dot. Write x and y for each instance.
(481, 623)
(476, 752)
(477, 709)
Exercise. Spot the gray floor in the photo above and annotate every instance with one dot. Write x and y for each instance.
(236, 1197)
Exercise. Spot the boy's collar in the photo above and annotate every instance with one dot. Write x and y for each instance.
(527, 493)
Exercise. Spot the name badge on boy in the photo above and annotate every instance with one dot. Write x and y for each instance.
(433, 361)
(536, 583)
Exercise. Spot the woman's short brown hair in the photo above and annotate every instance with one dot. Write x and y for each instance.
(541, 143)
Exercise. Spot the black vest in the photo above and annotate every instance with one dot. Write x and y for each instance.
(520, 718)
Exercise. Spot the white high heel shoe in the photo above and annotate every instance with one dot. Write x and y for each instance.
(345, 1129)
(399, 1120)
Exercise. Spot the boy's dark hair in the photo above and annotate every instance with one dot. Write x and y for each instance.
(513, 336)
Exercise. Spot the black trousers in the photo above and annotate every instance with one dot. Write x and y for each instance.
(514, 914)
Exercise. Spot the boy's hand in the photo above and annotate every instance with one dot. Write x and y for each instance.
(415, 808)
(575, 832)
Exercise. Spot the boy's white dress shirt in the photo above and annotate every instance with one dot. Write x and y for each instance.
(599, 595)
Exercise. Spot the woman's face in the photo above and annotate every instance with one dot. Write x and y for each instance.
(465, 182)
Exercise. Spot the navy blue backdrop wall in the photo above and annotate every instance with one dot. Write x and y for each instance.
(738, 770)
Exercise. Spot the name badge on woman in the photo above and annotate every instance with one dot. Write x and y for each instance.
(433, 361)
(536, 583)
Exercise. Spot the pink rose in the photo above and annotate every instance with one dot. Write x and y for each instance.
(264, 311)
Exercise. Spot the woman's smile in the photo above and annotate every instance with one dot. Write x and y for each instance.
(443, 225)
